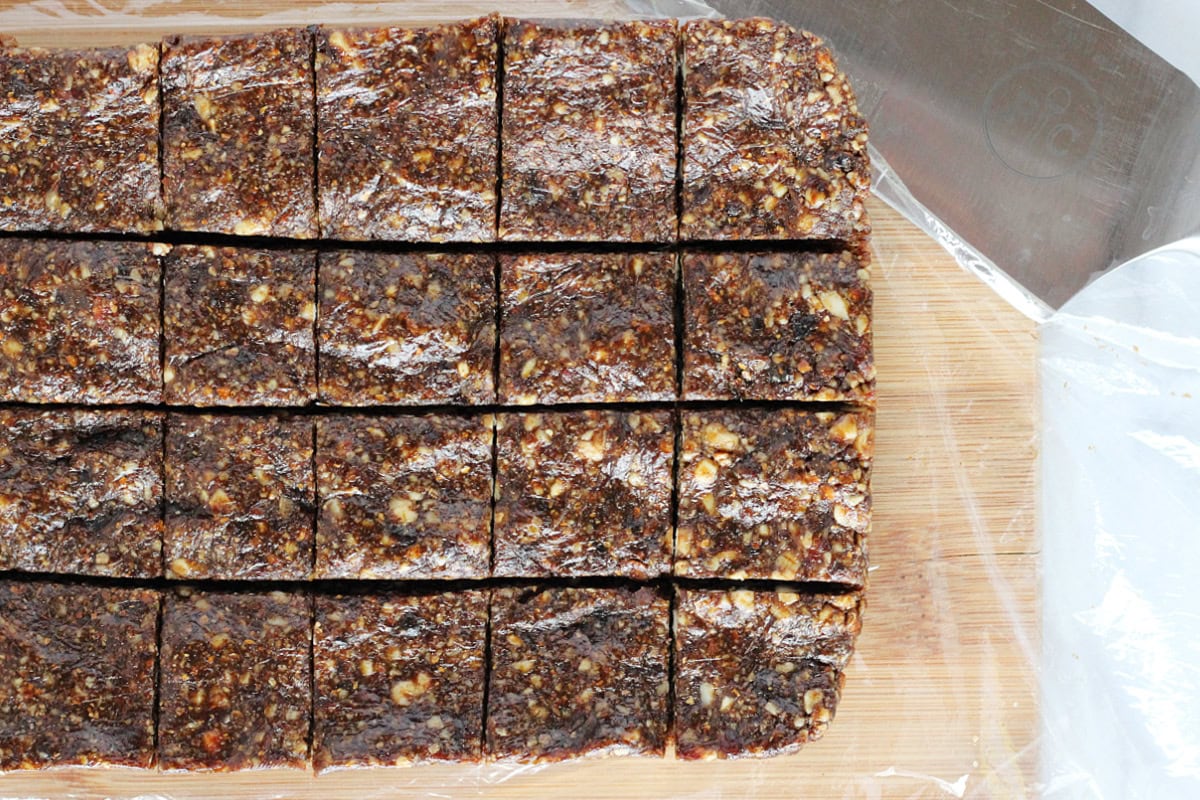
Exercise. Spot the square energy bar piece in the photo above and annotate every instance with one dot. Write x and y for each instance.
(773, 144)
(407, 329)
(399, 678)
(239, 326)
(234, 690)
(78, 675)
(579, 327)
(588, 134)
(777, 326)
(79, 140)
(583, 493)
(577, 672)
(238, 134)
(81, 492)
(79, 322)
(404, 497)
(776, 494)
(758, 673)
(240, 497)
(407, 132)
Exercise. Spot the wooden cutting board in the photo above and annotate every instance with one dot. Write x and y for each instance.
(941, 697)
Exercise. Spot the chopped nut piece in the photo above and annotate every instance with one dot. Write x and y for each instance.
(239, 326)
(422, 698)
(238, 131)
(240, 497)
(773, 144)
(789, 498)
(404, 497)
(246, 703)
(587, 328)
(79, 140)
(76, 675)
(79, 321)
(776, 663)
(561, 511)
(588, 146)
(81, 492)
(398, 328)
(554, 710)
(407, 131)
(778, 326)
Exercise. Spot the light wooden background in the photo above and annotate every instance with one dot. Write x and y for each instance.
(941, 697)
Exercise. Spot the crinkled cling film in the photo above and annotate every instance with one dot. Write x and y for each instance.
(940, 696)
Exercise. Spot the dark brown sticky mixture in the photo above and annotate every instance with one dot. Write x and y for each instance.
(239, 327)
(587, 327)
(240, 497)
(79, 322)
(577, 671)
(79, 140)
(398, 678)
(583, 493)
(407, 131)
(81, 492)
(76, 675)
(234, 690)
(238, 132)
(758, 673)
(774, 493)
(777, 326)
(773, 144)
(407, 329)
(588, 135)
(404, 497)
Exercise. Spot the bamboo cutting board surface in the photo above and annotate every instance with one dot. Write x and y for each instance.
(941, 697)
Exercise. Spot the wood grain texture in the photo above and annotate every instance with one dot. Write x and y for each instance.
(941, 696)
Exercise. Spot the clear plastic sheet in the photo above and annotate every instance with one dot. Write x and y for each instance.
(955, 689)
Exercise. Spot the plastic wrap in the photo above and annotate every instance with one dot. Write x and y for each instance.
(240, 497)
(404, 497)
(229, 165)
(408, 151)
(82, 322)
(56, 467)
(84, 156)
(956, 689)
(86, 657)
(587, 327)
(238, 327)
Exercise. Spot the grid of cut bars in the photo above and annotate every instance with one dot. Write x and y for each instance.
(521, 456)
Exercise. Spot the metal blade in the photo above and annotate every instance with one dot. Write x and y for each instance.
(1049, 139)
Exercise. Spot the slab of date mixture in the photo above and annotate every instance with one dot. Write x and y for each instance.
(79, 322)
(81, 492)
(234, 680)
(587, 327)
(240, 497)
(583, 493)
(407, 132)
(758, 673)
(588, 131)
(79, 140)
(239, 326)
(778, 493)
(407, 328)
(576, 672)
(399, 678)
(777, 326)
(404, 497)
(78, 675)
(238, 134)
(773, 144)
